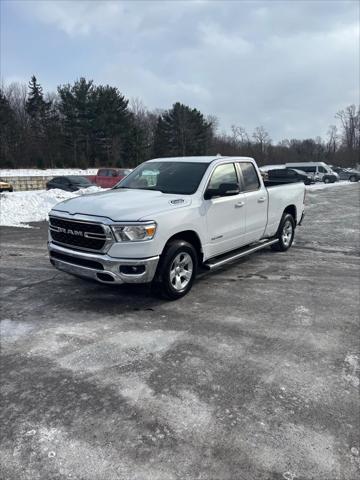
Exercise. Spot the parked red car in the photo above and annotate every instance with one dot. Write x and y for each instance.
(108, 177)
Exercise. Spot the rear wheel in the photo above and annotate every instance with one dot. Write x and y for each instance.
(285, 234)
(353, 178)
(176, 271)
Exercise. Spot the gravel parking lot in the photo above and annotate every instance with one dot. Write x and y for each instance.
(252, 376)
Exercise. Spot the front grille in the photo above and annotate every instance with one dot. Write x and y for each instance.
(83, 262)
(82, 235)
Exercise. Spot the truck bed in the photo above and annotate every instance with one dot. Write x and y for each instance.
(274, 183)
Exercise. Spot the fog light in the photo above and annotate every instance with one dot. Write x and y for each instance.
(132, 269)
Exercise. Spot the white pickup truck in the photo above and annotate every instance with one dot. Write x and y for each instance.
(171, 217)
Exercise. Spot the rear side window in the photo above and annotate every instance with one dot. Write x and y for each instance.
(250, 177)
(102, 173)
(306, 169)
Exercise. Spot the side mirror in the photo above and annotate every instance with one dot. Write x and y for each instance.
(224, 190)
(228, 189)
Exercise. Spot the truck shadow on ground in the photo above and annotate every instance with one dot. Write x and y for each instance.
(112, 299)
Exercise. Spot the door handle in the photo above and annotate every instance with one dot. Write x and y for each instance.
(239, 204)
(261, 199)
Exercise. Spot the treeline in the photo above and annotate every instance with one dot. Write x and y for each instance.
(87, 125)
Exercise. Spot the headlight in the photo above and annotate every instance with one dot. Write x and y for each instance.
(134, 233)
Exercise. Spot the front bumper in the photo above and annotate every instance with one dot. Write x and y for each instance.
(103, 268)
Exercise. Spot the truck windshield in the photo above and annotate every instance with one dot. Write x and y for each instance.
(167, 177)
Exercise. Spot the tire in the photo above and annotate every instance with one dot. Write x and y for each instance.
(285, 233)
(176, 270)
(353, 178)
(326, 180)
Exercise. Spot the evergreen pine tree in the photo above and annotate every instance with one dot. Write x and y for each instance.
(37, 109)
(8, 133)
(76, 106)
(182, 131)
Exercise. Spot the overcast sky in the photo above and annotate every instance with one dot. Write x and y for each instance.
(287, 65)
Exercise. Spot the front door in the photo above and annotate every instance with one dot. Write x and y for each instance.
(225, 215)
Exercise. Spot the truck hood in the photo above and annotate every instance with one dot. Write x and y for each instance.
(123, 204)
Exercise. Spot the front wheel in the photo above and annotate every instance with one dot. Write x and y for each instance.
(326, 180)
(353, 178)
(176, 270)
(285, 234)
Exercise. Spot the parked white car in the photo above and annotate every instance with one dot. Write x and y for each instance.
(169, 218)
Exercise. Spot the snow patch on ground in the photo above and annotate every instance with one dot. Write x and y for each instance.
(321, 186)
(49, 172)
(185, 414)
(20, 208)
(303, 315)
(10, 330)
(351, 369)
(120, 350)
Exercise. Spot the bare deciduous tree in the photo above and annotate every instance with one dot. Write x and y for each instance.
(262, 142)
(350, 121)
(240, 135)
(16, 93)
(333, 139)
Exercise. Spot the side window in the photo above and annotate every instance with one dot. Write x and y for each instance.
(250, 177)
(102, 173)
(321, 169)
(223, 174)
(308, 169)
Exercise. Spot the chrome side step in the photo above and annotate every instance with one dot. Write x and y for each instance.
(236, 254)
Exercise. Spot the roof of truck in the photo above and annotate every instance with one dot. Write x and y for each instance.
(203, 159)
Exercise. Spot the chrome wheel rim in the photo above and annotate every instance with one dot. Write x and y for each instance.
(181, 271)
(287, 233)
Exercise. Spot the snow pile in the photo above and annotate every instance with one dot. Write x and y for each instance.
(49, 172)
(322, 185)
(17, 209)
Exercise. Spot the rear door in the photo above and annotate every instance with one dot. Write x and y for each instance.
(256, 202)
(225, 215)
